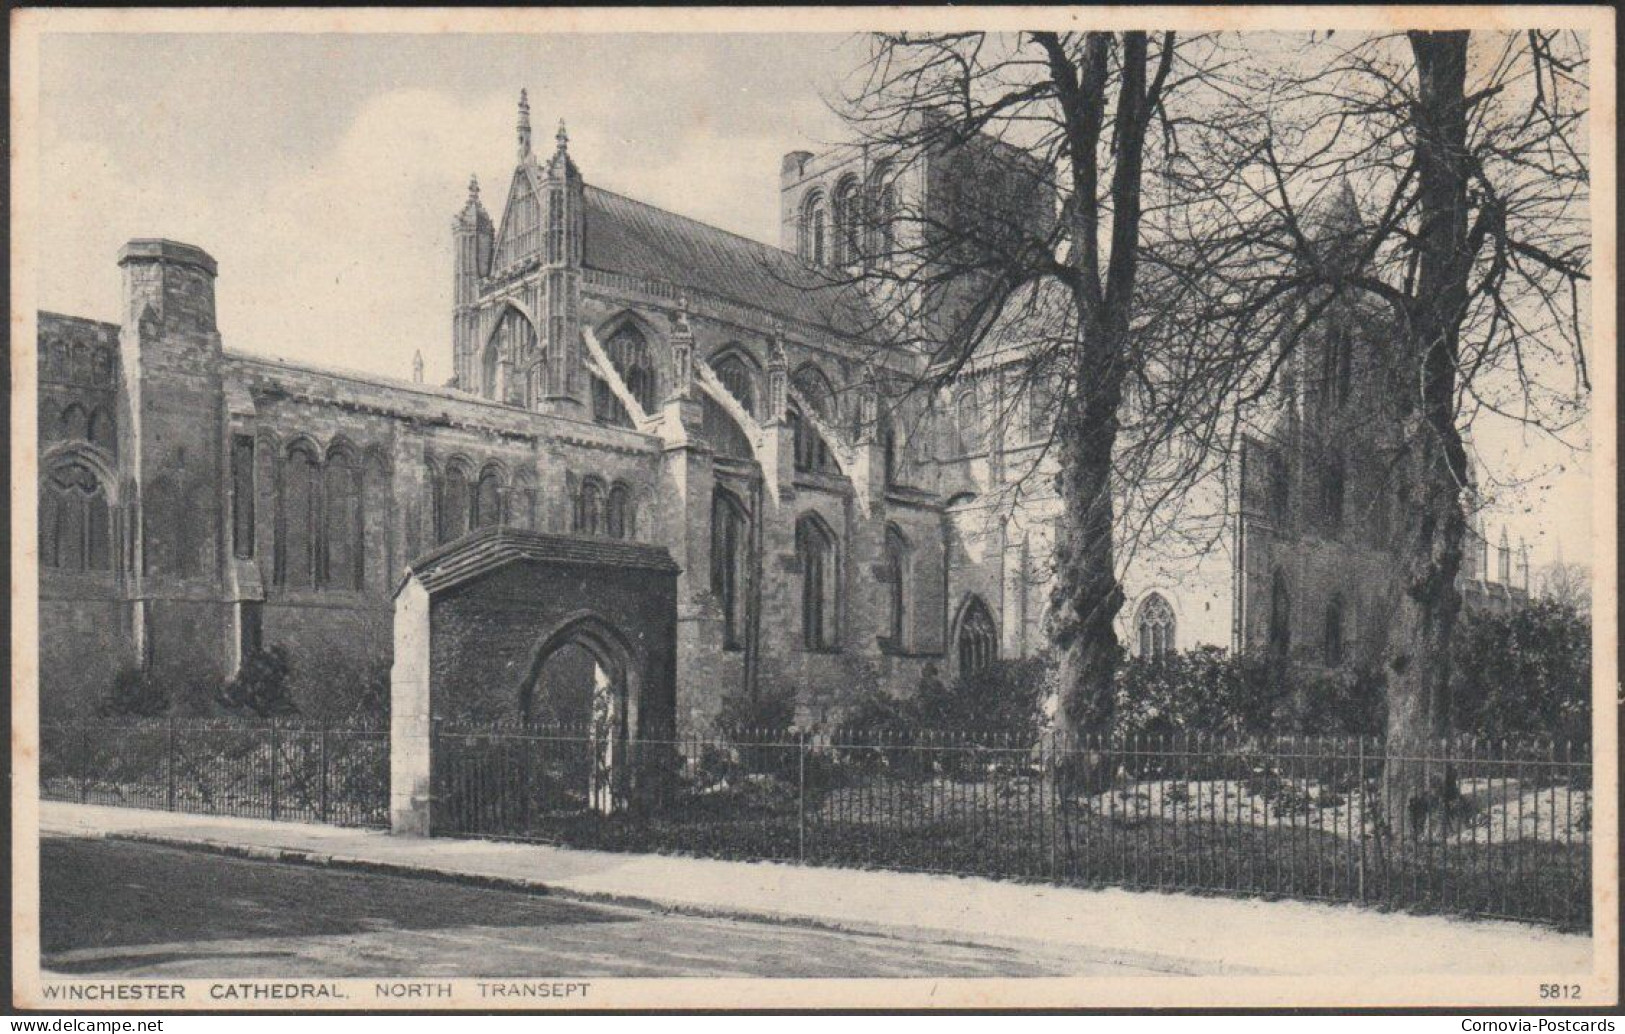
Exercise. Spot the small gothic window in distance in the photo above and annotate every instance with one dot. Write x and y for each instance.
(978, 639)
(1155, 627)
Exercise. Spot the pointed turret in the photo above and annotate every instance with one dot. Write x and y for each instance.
(1333, 224)
(524, 125)
(473, 243)
(417, 367)
(1503, 567)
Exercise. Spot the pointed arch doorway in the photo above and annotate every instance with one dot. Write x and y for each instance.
(580, 686)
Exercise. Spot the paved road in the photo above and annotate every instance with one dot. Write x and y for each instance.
(112, 907)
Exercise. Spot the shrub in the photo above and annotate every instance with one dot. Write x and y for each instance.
(1001, 704)
(1202, 690)
(1525, 672)
(262, 685)
(135, 694)
(767, 713)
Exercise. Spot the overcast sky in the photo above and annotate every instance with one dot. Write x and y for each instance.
(323, 173)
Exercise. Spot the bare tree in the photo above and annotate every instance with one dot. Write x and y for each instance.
(1469, 153)
(1568, 584)
(1052, 140)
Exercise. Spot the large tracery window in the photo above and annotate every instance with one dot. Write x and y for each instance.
(978, 639)
(1155, 628)
(628, 351)
(513, 348)
(737, 376)
(730, 529)
(75, 522)
(815, 553)
(811, 451)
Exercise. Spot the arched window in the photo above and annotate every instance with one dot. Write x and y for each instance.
(589, 517)
(81, 363)
(1336, 375)
(811, 231)
(75, 521)
(811, 451)
(1331, 490)
(340, 550)
(967, 420)
(815, 554)
(455, 503)
(1280, 614)
(977, 644)
(75, 423)
(1333, 640)
(1155, 627)
(628, 352)
(890, 459)
(1280, 489)
(299, 520)
(488, 499)
(847, 210)
(512, 343)
(895, 570)
(102, 431)
(882, 219)
(737, 376)
(522, 503)
(730, 529)
(618, 521)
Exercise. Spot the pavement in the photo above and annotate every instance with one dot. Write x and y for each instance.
(1165, 932)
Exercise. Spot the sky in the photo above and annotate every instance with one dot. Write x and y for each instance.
(323, 172)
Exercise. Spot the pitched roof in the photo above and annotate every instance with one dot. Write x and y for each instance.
(630, 237)
(487, 549)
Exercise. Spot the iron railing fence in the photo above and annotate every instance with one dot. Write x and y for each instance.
(254, 768)
(1504, 828)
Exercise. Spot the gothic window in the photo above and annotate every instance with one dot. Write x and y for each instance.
(606, 405)
(847, 210)
(1155, 627)
(1333, 643)
(340, 551)
(75, 423)
(968, 421)
(1280, 630)
(242, 495)
(75, 521)
(811, 451)
(299, 523)
(589, 516)
(729, 549)
(618, 523)
(977, 644)
(101, 431)
(815, 553)
(1331, 490)
(488, 498)
(737, 376)
(1279, 489)
(889, 457)
(812, 229)
(882, 215)
(895, 570)
(628, 351)
(81, 363)
(455, 503)
(1040, 409)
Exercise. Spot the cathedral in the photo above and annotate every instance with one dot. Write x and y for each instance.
(662, 442)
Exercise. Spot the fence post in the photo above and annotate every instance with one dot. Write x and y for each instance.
(169, 754)
(801, 796)
(323, 763)
(84, 763)
(1365, 806)
(276, 749)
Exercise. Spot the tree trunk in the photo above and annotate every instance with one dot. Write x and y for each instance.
(1433, 470)
(1087, 595)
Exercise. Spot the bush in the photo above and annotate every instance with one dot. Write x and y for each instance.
(769, 713)
(1526, 672)
(134, 694)
(1002, 704)
(262, 685)
(1202, 690)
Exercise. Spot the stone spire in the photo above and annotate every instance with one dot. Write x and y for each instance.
(562, 138)
(1503, 566)
(524, 125)
(417, 367)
